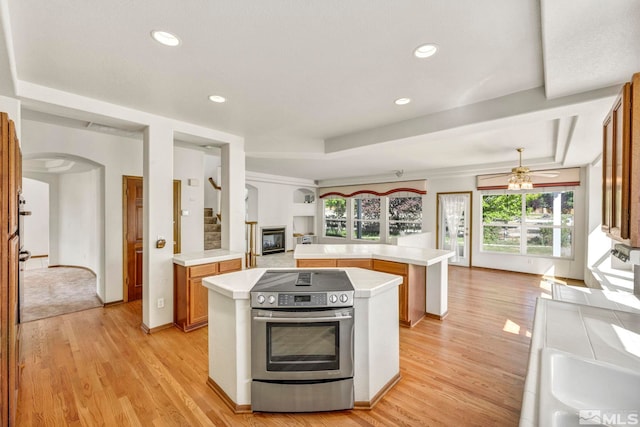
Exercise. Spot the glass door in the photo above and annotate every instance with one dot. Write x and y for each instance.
(454, 226)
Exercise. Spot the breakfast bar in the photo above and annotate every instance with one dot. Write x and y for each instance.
(424, 271)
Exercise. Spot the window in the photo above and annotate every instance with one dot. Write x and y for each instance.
(538, 224)
(405, 215)
(366, 218)
(335, 217)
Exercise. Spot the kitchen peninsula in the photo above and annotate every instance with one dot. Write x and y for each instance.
(424, 272)
(376, 335)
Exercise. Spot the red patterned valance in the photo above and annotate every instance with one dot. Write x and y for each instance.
(378, 189)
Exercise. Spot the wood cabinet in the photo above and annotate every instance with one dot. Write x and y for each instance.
(332, 262)
(621, 166)
(10, 174)
(190, 298)
(412, 291)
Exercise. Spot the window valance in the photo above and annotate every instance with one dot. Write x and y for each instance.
(378, 189)
(544, 178)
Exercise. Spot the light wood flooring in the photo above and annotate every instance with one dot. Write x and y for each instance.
(97, 367)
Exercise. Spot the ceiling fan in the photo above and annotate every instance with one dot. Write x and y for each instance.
(520, 176)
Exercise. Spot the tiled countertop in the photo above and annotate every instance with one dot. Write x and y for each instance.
(622, 301)
(591, 333)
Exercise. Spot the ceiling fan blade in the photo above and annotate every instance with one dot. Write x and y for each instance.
(548, 174)
(492, 176)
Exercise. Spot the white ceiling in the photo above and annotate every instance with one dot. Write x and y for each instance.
(311, 85)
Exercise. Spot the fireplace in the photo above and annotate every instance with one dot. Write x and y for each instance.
(273, 240)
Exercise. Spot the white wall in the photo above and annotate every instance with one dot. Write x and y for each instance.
(189, 165)
(36, 226)
(119, 156)
(79, 219)
(275, 199)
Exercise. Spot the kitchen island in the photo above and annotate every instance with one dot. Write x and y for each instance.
(425, 275)
(376, 335)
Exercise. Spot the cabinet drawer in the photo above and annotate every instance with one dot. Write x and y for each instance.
(390, 267)
(316, 263)
(354, 262)
(230, 265)
(203, 270)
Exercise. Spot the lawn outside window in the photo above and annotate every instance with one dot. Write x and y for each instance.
(335, 217)
(529, 223)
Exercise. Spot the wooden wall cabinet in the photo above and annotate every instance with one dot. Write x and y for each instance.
(190, 298)
(621, 166)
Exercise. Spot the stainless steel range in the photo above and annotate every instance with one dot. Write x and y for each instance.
(302, 341)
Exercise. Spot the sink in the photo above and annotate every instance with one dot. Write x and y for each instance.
(574, 389)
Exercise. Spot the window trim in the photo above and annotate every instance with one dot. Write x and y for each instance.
(523, 226)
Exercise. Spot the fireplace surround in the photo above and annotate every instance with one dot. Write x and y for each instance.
(273, 240)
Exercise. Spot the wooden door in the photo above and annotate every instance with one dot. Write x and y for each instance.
(177, 209)
(132, 228)
(132, 186)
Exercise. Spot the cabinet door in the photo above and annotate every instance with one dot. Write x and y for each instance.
(229, 265)
(616, 167)
(355, 262)
(198, 301)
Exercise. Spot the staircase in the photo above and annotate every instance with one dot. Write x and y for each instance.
(212, 232)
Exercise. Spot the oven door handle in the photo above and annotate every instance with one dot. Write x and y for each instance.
(300, 319)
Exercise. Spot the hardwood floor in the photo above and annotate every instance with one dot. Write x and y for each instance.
(97, 367)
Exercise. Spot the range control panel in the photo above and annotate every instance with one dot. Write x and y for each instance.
(298, 299)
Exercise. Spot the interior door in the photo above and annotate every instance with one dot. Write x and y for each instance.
(132, 228)
(454, 226)
(132, 186)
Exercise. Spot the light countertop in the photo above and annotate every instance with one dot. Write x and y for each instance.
(205, 257)
(622, 301)
(590, 333)
(407, 255)
(236, 285)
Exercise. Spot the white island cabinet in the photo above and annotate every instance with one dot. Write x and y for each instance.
(376, 336)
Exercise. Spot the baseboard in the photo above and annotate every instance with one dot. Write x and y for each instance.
(368, 405)
(109, 304)
(238, 409)
(437, 316)
(148, 330)
(73, 266)
(39, 256)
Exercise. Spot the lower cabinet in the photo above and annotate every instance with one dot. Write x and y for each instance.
(190, 298)
(332, 262)
(412, 291)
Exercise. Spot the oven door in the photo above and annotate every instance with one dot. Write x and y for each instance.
(302, 345)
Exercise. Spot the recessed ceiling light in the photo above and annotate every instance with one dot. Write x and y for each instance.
(217, 98)
(425, 50)
(165, 38)
(402, 101)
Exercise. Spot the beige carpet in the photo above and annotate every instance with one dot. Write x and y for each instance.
(54, 291)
